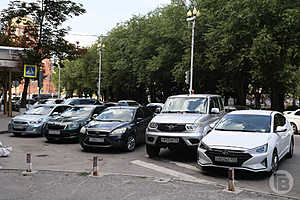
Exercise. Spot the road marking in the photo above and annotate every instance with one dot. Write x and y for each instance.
(179, 175)
(187, 166)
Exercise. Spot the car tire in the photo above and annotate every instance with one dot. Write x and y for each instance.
(130, 143)
(17, 134)
(152, 151)
(295, 129)
(291, 150)
(274, 163)
(49, 139)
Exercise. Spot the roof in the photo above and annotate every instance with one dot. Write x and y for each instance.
(85, 105)
(123, 107)
(251, 112)
(196, 95)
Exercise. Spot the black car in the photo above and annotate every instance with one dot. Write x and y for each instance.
(118, 127)
(78, 101)
(69, 123)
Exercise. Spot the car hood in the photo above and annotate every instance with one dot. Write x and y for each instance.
(105, 126)
(179, 118)
(30, 117)
(235, 139)
(67, 119)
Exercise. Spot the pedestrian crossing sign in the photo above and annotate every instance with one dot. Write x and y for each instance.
(30, 71)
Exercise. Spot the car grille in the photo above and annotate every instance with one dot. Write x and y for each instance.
(171, 127)
(56, 126)
(240, 155)
(97, 133)
(20, 122)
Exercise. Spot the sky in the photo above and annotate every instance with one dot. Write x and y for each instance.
(103, 15)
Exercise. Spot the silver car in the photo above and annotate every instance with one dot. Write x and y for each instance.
(32, 121)
(183, 122)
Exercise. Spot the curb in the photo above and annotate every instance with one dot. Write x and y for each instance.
(152, 177)
(3, 132)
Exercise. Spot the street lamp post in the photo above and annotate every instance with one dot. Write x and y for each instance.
(100, 46)
(192, 17)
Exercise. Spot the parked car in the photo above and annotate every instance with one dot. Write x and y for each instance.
(81, 101)
(294, 119)
(49, 101)
(118, 127)
(128, 103)
(155, 107)
(68, 124)
(254, 140)
(182, 122)
(16, 105)
(32, 121)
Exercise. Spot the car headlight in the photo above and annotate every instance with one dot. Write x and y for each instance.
(202, 145)
(192, 127)
(36, 122)
(260, 149)
(153, 125)
(74, 125)
(118, 131)
(83, 130)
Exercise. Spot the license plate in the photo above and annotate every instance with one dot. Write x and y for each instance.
(226, 159)
(54, 132)
(96, 139)
(169, 140)
(20, 127)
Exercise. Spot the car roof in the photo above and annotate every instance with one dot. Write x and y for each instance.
(252, 112)
(82, 105)
(196, 95)
(123, 107)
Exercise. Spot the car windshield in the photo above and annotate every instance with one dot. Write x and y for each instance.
(123, 115)
(245, 123)
(68, 101)
(40, 110)
(77, 112)
(186, 105)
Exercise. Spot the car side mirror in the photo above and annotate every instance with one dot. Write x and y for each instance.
(215, 111)
(55, 113)
(94, 116)
(280, 129)
(212, 125)
(157, 110)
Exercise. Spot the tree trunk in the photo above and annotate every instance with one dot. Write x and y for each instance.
(277, 99)
(257, 100)
(24, 93)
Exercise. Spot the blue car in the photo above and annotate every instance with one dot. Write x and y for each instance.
(32, 121)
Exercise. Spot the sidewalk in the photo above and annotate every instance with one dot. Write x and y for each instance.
(67, 185)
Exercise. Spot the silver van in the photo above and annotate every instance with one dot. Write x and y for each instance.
(183, 122)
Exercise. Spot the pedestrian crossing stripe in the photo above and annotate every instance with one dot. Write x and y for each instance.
(30, 71)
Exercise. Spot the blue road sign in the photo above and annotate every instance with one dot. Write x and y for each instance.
(30, 71)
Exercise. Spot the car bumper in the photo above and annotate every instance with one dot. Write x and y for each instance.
(186, 139)
(103, 142)
(62, 134)
(245, 161)
(26, 129)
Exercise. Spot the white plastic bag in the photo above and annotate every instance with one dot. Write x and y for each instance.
(4, 151)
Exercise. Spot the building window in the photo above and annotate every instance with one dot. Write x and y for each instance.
(21, 32)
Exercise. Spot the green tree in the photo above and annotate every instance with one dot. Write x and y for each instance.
(47, 33)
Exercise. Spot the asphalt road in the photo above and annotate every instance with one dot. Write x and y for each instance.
(70, 157)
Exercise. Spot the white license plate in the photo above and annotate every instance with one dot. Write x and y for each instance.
(96, 139)
(226, 159)
(54, 132)
(169, 140)
(19, 127)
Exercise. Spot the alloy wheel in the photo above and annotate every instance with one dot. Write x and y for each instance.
(130, 143)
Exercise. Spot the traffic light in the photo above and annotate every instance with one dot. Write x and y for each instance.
(187, 77)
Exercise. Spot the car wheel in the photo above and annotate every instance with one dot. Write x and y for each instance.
(49, 139)
(291, 151)
(152, 151)
(130, 143)
(17, 134)
(294, 128)
(274, 163)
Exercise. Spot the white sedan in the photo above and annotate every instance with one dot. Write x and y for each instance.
(253, 140)
(294, 118)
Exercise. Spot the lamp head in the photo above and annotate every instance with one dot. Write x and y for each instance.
(189, 13)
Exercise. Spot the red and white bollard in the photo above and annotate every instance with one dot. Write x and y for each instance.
(95, 166)
(28, 162)
(231, 186)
